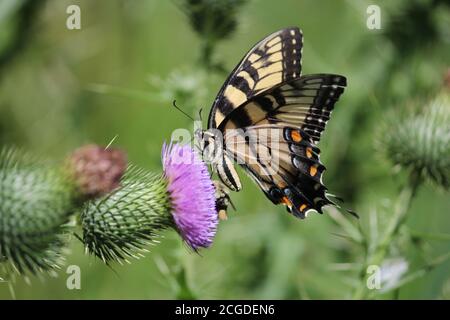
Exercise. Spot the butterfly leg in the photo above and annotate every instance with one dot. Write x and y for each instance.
(223, 199)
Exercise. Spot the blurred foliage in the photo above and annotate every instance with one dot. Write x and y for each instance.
(118, 75)
(213, 21)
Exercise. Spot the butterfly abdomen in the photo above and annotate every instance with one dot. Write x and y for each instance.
(227, 173)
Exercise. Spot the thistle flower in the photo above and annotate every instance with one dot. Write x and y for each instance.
(193, 195)
(122, 223)
(96, 170)
(421, 143)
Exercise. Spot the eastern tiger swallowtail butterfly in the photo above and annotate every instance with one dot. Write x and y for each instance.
(268, 118)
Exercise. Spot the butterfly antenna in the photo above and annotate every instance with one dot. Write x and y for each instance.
(174, 103)
(200, 114)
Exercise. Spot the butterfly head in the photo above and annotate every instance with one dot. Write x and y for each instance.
(207, 143)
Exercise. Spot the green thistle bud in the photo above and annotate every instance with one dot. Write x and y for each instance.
(121, 223)
(421, 143)
(211, 18)
(36, 200)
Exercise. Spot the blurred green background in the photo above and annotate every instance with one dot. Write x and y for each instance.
(62, 88)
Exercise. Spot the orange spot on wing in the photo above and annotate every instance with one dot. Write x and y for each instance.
(309, 153)
(286, 201)
(313, 171)
(296, 136)
(303, 207)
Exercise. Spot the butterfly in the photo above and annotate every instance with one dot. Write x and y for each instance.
(268, 118)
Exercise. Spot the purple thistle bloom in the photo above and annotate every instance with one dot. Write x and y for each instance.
(192, 194)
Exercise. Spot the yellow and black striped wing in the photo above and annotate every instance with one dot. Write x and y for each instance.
(305, 103)
(274, 60)
(285, 164)
(277, 145)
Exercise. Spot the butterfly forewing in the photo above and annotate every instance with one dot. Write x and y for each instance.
(274, 60)
(308, 102)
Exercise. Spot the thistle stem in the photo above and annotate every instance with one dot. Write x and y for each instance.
(207, 50)
(206, 57)
(397, 220)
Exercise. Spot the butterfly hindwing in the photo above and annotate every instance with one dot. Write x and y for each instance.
(274, 60)
(284, 162)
